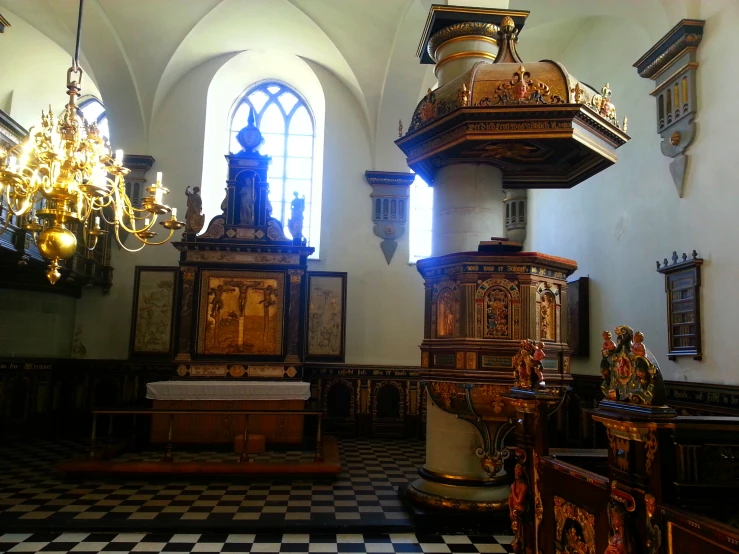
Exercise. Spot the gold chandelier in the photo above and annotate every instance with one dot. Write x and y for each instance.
(64, 172)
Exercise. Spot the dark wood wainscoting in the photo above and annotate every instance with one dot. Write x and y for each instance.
(55, 397)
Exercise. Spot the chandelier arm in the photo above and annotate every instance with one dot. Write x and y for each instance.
(126, 248)
(148, 243)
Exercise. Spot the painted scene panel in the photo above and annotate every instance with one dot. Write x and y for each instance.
(241, 313)
(154, 306)
(325, 315)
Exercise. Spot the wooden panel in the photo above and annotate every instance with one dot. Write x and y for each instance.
(211, 429)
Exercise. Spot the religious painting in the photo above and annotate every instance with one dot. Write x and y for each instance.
(153, 310)
(326, 316)
(497, 314)
(446, 313)
(547, 312)
(241, 312)
(497, 310)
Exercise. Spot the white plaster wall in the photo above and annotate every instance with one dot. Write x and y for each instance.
(33, 73)
(384, 304)
(617, 224)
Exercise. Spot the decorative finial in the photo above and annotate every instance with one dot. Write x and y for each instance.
(626, 121)
(606, 91)
(507, 24)
(577, 91)
(694, 254)
(400, 128)
(429, 93)
(674, 257)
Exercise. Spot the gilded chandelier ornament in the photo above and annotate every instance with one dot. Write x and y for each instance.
(65, 174)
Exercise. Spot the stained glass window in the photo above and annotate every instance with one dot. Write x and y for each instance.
(421, 207)
(286, 123)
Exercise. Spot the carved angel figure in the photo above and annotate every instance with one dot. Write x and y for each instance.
(194, 219)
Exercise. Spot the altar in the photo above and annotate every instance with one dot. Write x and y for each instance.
(227, 395)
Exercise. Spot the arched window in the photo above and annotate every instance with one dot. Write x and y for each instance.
(94, 112)
(286, 123)
(421, 207)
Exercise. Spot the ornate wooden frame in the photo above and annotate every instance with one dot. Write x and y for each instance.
(682, 285)
(319, 357)
(172, 271)
(207, 274)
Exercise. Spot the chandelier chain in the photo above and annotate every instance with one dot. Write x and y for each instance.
(76, 58)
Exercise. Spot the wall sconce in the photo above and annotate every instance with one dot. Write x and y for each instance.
(671, 64)
(390, 197)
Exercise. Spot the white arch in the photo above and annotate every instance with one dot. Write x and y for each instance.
(228, 84)
(271, 25)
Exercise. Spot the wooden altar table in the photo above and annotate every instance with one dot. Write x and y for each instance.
(205, 428)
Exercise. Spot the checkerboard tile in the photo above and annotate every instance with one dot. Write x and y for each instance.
(364, 493)
(256, 543)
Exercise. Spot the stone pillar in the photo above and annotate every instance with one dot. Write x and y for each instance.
(468, 198)
(468, 207)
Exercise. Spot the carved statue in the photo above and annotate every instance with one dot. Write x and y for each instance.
(638, 347)
(295, 223)
(517, 506)
(539, 355)
(620, 540)
(194, 218)
(629, 371)
(224, 204)
(654, 537)
(246, 199)
(527, 365)
(608, 344)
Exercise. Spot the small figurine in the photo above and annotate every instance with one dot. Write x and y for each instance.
(295, 223)
(464, 96)
(619, 541)
(224, 204)
(638, 346)
(654, 537)
(520, 88)
(517, 506)
(608, 344)
(538, 366)
(246, 210)
(194, 218)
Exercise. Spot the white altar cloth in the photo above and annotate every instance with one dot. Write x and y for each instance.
(228, 390)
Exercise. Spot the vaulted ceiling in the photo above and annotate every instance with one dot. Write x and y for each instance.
(138, 50)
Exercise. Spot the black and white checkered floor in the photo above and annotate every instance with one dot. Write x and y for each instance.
(322, 543)
(33, 496)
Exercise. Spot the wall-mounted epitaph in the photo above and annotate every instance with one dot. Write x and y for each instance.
(682, 284)
(390, 197)
(672, 65)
